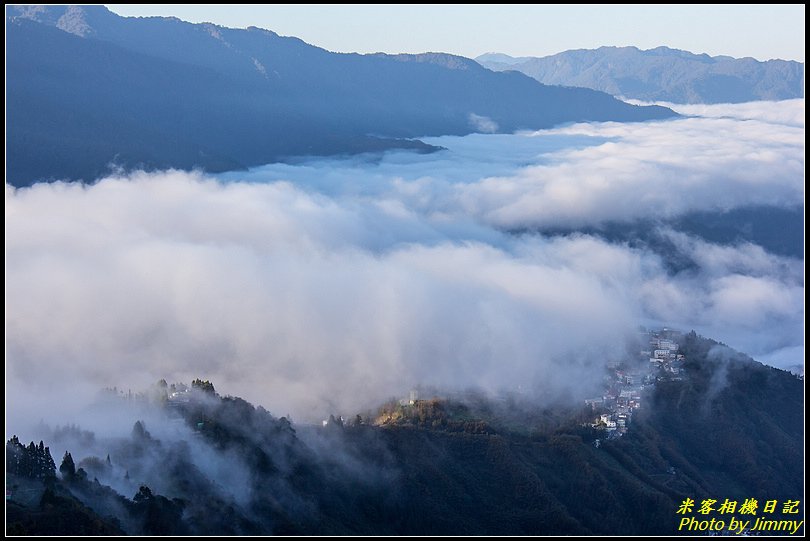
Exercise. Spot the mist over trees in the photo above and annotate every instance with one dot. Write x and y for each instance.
(439, 465)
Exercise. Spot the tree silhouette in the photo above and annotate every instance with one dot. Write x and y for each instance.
(68, 467)
(204, 386)
(139, 432)
(33, 461)
(144, 494)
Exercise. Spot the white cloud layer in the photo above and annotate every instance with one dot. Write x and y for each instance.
(333, 285)
(584, 174)
(788, 112)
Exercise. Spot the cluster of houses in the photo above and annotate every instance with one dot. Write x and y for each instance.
(663, 352)
(179, 394)
(625, 383)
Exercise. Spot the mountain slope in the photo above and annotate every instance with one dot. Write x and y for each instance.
(661, 74)
(96, 89)
(726, 427)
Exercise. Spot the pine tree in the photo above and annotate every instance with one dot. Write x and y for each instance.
(139, 432)
(49, 466)
(30, 461)
(144, 494)
(204, 386)
(67, 468)
(15, 452)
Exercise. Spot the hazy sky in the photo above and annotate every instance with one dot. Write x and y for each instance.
(760, 31)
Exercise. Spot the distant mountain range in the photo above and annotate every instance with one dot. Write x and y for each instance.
(661, 74)
(88, 90)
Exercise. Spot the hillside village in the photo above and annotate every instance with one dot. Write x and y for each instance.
(435, 449)
(625, 385)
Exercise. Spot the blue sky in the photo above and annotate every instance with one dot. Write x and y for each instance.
(760, 31)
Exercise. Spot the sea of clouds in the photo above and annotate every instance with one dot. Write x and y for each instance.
(334, 284)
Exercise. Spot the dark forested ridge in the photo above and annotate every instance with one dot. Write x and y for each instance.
(778, 230)
(88, 91)
(727, 427)
(661, 74)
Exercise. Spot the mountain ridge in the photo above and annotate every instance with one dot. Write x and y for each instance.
(661, 74)
(102, 91)
(725, 427)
